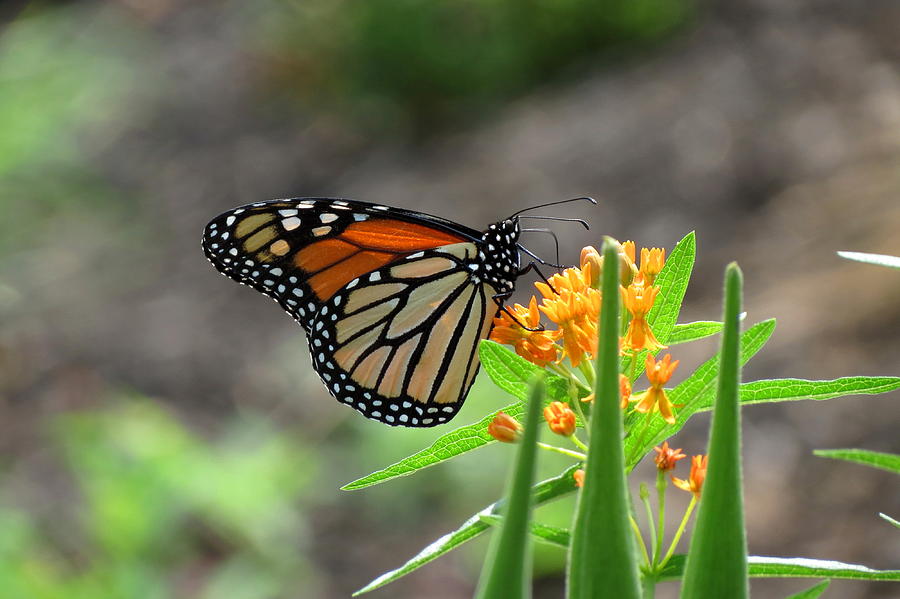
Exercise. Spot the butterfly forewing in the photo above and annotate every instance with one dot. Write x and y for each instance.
(300, 252)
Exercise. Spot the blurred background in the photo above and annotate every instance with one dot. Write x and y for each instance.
(161, 432)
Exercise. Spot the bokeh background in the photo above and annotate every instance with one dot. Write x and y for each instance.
(161, 432)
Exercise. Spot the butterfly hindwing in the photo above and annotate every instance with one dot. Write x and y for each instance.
(400, 344)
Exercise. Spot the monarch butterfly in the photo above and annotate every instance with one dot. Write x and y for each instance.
(394, 302)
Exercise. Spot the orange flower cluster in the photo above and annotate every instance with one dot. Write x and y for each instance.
(537, 346)
(574, 305)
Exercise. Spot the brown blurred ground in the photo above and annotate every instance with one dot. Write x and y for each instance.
(771, 129)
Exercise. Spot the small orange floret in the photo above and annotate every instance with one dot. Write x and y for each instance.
(658, 372)
(560, 418)
(624, 391)
(578, 475)
(538, 347)
(666, 457)
(505, 428)
(694, 484)
(652, 260)
(638, 300)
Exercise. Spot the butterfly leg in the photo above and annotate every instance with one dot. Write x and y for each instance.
(500, 298)
(533, 266)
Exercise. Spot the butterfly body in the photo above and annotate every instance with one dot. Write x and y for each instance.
(393, 302)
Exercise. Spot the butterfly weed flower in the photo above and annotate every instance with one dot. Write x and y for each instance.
(538, 346)
(638, 300)
(572, 304)
(652, 260)
(658, 372)
(560, 418)
(666, 457)
(694, 482)
(505, 428)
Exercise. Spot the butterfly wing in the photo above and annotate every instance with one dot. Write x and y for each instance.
(400, 343)
(301, 251)
(392, 314)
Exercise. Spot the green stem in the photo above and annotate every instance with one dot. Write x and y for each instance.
(679, 532)
(562, 450)
(587, 369)
(637, 535)
(578, 442)
(648, 586)
(568, 374)
(661, 486)
(654, 539)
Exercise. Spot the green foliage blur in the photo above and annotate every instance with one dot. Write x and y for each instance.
(425, 64)
(157, 505)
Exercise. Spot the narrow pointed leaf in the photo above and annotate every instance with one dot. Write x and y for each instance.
(801, 567)
(773, 390)
(812, 592)
(876, 459)
(693, 394)
(692, 331)
(717, 560)
(878, 259)
(507, 568)
(601, 556)
(543, 492)
(793, 567)
(552, 535)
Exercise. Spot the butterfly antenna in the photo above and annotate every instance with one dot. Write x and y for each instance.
(535, 256)
(583, 199)
(559, 218)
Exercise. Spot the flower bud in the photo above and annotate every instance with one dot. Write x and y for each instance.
(505, 428)
(590, 256)
(561, 418)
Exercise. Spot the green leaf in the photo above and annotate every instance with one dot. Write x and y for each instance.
(509, 372)
(672, 282)
(513, 373)
(507, 567)
(552, 535)
(447, 446)
(876, 459)
(694, 393)
(691, 331)
(889, 519)
(601, 533)
(812, 592)
(717, 560)
(878, 259)
(543, 492)
(793, 567)
(772, 390)
(801, 567)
